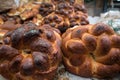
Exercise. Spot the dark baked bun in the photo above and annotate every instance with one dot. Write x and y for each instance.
(91, 51)
(29, 53)
(65, 14)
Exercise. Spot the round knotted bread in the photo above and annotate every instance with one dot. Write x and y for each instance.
(91, 51)
(65, 14)
(29, 53)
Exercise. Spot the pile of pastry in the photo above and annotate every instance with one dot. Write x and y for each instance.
(35, 38)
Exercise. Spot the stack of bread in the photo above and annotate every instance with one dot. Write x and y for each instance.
(61, 14)
(35, 37)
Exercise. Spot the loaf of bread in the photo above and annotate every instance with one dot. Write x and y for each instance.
(65, 14)
(30, 53)
(91, 51)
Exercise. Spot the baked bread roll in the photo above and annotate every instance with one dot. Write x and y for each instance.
(91, 51)
(66, 14)
(29, 53)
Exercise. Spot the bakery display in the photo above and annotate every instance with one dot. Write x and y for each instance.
(33, 34)
(91, 51)
(30, 53)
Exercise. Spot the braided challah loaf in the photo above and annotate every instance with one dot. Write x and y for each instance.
(63, 14)
(91, 51)
(29, 53)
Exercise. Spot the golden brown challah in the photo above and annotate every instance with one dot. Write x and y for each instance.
(91, 51)
(66, 14)
(29, 53)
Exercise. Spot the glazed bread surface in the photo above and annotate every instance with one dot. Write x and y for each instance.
(30, 53)
(91, 51)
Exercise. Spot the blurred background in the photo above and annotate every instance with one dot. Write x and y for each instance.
(96, 7)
